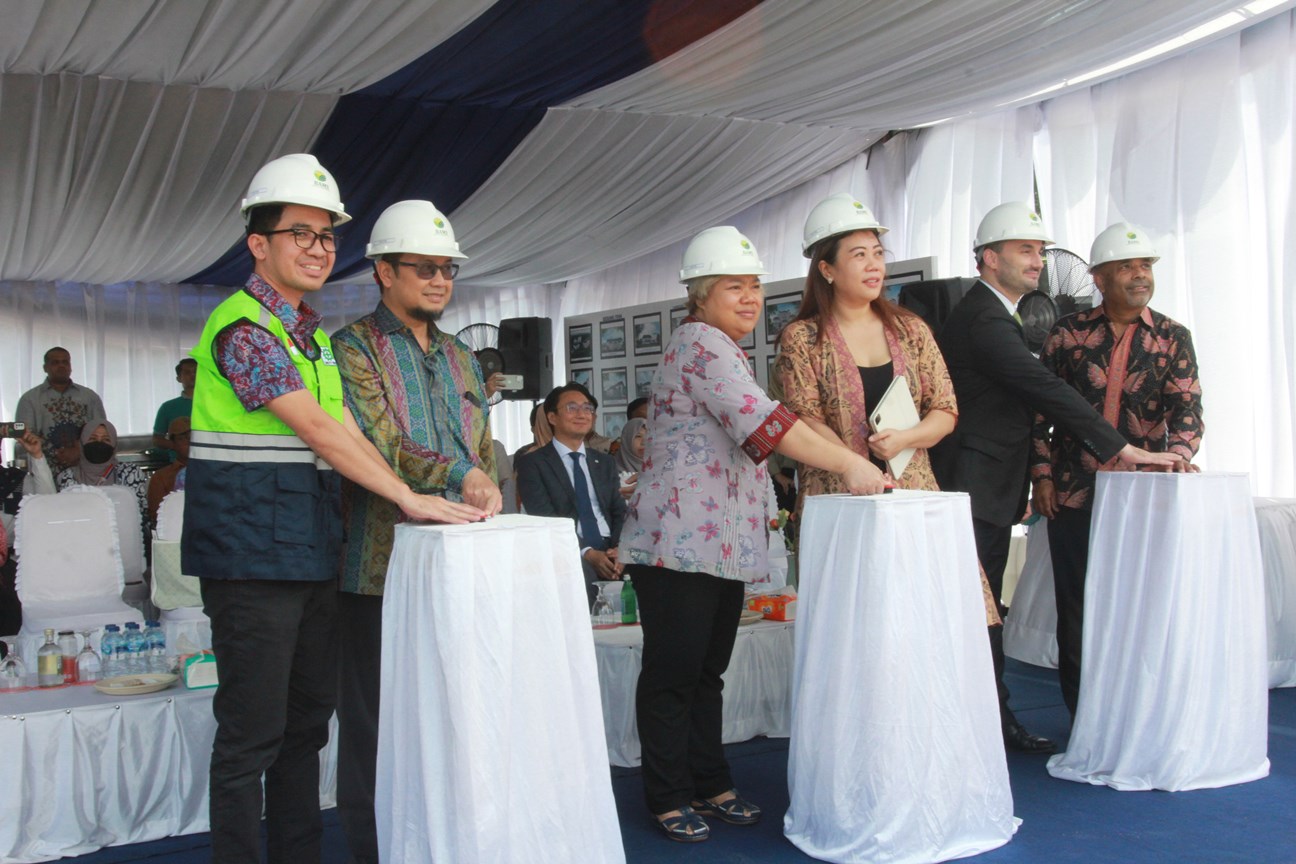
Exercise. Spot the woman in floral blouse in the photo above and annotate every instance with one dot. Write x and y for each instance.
(848, 343)
(697, 529)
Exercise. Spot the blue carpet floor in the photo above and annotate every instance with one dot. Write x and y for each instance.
(1062, 822)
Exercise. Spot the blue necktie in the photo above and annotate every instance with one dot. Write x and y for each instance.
(586, 522)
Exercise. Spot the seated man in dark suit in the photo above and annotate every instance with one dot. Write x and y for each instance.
(565, 478)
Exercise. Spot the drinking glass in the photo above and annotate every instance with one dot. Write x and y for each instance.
(13, 672)
(88, 666)
(601, 614)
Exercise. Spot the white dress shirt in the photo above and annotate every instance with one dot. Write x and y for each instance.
(563, 450)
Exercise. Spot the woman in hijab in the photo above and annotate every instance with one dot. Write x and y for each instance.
(99, 465)
(629, 459)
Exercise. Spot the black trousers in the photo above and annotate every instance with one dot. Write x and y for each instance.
(359, 673)
(1068, 535)
(276, 656)
(992, 543)
(690, 621)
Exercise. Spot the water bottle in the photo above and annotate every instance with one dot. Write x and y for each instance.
(134, 641)
(110, 648)
(629, 603)
(49, 662)
(155, 639)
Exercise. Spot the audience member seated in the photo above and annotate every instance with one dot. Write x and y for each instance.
(168, 479)
(181, 406)
(629, 458)
(57, 400)
(637, 408)
(38, 481)
(98, 466)
(63, 447)
(566, 478)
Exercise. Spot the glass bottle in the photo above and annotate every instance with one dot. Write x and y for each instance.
(629, 603)
(68, 646)
(49, 662)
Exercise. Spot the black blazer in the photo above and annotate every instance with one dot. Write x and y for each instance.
(546, 490)
(1000, 385)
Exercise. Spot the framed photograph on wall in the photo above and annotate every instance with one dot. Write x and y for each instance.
(779, 312)
(647, 334)
(748, 342)
(580, 343)
(902, 273)
(615, 389)
(677, 314)
(613, 423)
(612, 338)
(643, 380)
(769, 370)
(583, 377)
(751, 366)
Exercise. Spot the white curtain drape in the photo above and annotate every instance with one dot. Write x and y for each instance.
(1199, 151)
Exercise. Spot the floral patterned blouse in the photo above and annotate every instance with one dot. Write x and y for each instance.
(703, 502)
(822, 382)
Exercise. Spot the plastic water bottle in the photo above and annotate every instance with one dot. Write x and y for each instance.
(155, 639)
(111, 649)
(135, 648)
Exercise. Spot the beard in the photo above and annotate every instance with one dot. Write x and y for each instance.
(427, 316)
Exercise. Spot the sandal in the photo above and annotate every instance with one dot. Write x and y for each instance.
(736, 811)
(687, 827)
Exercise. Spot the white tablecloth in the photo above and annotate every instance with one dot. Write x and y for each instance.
(1173, 693)
(1030, 627)
(757, 685)
(896, 752)
(1276, 521)
(1030, 630)
(491, 743)
(81, 770)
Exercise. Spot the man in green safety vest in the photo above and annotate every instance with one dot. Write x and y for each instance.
(263, 525)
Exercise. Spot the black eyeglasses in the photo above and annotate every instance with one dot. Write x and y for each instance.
(428, 270)
(305, 238)
(580, 408)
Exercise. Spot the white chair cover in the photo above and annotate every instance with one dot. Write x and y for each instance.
(491, 741)
(1173, 693)
(1276, 519)
(178, 597)
(1030, 628)
(69, 565)
(896, 752)
(170, 521)
(129, 531)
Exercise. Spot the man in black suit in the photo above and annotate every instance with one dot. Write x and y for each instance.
(565, 478)
(1000, 386)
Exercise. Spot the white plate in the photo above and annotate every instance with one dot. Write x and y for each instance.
(749, 616)
(135, 685)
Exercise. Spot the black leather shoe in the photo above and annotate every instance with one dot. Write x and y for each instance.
(1017, 738)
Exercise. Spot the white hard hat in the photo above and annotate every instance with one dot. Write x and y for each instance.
(1011, 221)
(417, 227)
(838, 214)
(295, 179)
(720, 251)
(1120, 242)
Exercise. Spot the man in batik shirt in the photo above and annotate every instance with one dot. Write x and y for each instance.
(417, 393)
(1138, 368)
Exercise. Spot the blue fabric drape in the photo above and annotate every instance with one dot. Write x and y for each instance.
(439, 127)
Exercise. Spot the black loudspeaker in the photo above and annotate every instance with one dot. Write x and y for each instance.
(527, 346)
(932, 300)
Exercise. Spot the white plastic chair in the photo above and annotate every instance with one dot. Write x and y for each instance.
(69, 565)
(176, 596)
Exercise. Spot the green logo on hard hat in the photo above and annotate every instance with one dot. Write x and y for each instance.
(857, 205)
(1034, 217)
(438, 223)
(1130, 235)
(745, 244)
(321, 176)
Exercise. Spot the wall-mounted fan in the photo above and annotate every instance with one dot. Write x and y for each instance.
(483, 341)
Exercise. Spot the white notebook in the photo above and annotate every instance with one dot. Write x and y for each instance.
(896, 410)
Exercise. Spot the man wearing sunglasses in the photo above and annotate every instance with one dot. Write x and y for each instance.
(262, 525)
(570, 479)
(417, 393)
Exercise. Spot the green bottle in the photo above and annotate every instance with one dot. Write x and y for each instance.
(629, 604)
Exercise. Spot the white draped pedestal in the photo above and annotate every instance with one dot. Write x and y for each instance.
(1276, 519)
(757, 685)
(491, 743)
(896, 753)
(1173, 692)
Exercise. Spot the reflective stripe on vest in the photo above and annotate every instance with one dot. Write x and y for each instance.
(243, 448)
